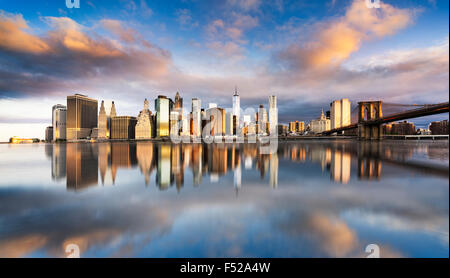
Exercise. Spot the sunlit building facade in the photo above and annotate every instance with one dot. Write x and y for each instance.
(261, 119)
(174, 123)
(162, 107)
(273, 115)
(144, 123)
(82, 115)
(123, 127)
(196, 117)
(216, 119)
(59, 115)
(229, 124)
(340, 113)
(103, 127)
(320, 125)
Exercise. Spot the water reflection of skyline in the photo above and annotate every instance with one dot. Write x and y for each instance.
(310, 214)
(82, 163)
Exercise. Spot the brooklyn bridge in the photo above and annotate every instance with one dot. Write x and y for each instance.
(370, 116)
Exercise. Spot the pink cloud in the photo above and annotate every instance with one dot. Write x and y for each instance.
(336, 40)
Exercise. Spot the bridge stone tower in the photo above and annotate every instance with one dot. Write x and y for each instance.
(368, 113)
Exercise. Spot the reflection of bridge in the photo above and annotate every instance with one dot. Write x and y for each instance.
(371, 119)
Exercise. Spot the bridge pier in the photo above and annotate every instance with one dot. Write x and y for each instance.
(368, 111)
(370, 132)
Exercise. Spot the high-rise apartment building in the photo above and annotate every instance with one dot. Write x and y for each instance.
(335, 112)
(273, 115)
(196, 117)
(162, 107)
(59, 114)
(345, 112)
(340, 113)
(261, 120)
(82, 116)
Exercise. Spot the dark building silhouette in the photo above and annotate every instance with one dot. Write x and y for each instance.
(403, 128)
(439, 128)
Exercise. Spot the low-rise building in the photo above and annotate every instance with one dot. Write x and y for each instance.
(321, 124)
(439, 128)
(123, 127)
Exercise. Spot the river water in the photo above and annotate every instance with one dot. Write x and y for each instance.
(157, 200)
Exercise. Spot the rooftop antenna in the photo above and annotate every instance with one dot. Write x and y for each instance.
(235, 91)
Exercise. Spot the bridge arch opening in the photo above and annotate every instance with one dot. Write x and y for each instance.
(374, 112)
(366, 114)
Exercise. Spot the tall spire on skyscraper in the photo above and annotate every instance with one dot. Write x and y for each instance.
(113, 112)
(102, 108)
(235, 91)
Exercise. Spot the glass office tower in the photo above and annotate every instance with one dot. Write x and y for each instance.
(162, 106)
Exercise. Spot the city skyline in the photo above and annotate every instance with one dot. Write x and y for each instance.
(283, 48)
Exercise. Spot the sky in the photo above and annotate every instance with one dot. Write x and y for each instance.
(307, 53)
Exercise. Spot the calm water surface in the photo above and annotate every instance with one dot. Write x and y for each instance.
(310, 199)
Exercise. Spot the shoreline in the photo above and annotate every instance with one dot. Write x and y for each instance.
(281, 138)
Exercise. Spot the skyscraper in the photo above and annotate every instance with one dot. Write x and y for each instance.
(340, 114)
(144, 124)
(236, 105)
(345, 112)
(162, 106)
(273, 115)
(59, 114)
(216, 118)
(262, 120)
(103, 130)
(178, 101)
(336, 112)
(229, 123)
(82, 116)
(174, 123)
(196, 117)
(113, 112)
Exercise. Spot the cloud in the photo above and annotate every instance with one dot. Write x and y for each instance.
(68, 52)
(246, 5)
(234, 28)
(184, 18)
(337, 39)
(14, 38)
(117, 28)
